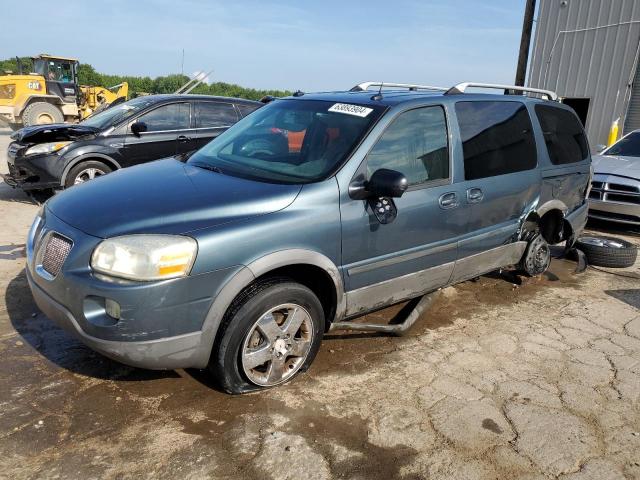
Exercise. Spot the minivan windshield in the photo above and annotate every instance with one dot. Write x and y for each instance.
(289, 140)
(117, 113)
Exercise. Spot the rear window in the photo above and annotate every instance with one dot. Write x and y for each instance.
(497, 138)
(246, 109)
(215, 114)
(563, 135)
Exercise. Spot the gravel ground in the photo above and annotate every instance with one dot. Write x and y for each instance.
(498, 380)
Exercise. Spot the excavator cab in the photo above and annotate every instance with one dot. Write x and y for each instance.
(60, 74)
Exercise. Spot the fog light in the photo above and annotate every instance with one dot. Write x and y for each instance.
(112, 308)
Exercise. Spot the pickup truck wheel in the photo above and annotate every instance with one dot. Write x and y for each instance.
(41, 113)
(85, 171)
(608, 251)
(271, 333)
(537, 257)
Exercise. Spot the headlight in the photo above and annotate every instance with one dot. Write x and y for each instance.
(46, 148)
(145, 257)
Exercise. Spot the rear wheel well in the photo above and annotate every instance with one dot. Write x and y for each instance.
(552, 226)
(315, 279)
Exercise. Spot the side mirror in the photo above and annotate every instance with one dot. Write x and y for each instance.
(138, 127)
(387, 183)
(600, 148)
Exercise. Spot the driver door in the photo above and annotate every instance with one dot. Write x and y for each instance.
(386, 263)
(166, 127)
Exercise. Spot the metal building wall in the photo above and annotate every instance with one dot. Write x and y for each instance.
(597, 62)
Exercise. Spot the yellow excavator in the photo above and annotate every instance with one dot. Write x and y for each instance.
(52, 94)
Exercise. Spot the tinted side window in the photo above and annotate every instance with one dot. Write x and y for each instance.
(415, 144)
(563, 135)
(246, 109)
(213, 114)
(174, 116)
(497, 138)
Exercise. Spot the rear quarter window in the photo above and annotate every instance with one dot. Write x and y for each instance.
(497, 138)
(215, 115)
(246, 109)
(563, 135)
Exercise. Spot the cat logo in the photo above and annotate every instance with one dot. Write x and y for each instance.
(34, 85)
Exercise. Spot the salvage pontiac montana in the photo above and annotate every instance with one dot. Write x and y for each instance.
(313, 210)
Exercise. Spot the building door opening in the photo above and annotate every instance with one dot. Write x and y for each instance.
(581, 106)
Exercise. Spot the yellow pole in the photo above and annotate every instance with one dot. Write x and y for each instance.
(613, 132)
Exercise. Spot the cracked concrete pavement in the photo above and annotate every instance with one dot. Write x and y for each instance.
(497, 380)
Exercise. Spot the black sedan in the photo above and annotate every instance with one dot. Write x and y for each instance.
(58, 156)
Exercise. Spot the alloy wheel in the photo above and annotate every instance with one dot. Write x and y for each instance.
(87, 174)
(277, 345)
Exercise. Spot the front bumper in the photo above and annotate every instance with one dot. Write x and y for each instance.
(160, 324)
(614, 212)
(169, 353)
(30, 173)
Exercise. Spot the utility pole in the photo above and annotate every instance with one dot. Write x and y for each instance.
(182, 64)
(525, 42)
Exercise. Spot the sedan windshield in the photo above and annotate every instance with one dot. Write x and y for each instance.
(628, 146)
(290, 141)
(117, 113)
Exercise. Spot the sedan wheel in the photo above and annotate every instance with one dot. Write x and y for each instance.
(87, 174)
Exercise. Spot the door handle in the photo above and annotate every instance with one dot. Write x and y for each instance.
(474, 195)
(183, 138)
(448, 200)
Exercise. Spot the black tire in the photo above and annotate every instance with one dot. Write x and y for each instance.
(81, 169)
(536, 258)
(608, 251)
(239, 322)
(41, 113)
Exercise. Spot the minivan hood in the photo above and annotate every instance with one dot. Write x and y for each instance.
(615, 165)
(166, 196)
(53, 132)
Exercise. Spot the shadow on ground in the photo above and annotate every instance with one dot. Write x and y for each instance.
(630, 296)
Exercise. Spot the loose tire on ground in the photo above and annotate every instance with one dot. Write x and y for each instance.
(247, 328)
(41, 113)
(608, 251)
(85, 171)
(536, 258)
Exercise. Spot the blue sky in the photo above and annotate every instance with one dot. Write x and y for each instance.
(278, 44)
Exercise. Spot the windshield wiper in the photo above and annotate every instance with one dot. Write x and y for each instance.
(211, 168)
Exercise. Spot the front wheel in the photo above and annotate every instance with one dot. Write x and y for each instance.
(271, 333)
(41, 113)
(85, 171)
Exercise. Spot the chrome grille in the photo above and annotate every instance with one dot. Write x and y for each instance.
(623, 188)
(55, 253)
(615, 192)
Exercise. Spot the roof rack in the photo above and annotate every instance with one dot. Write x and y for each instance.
(462, 87)
(361, 87)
